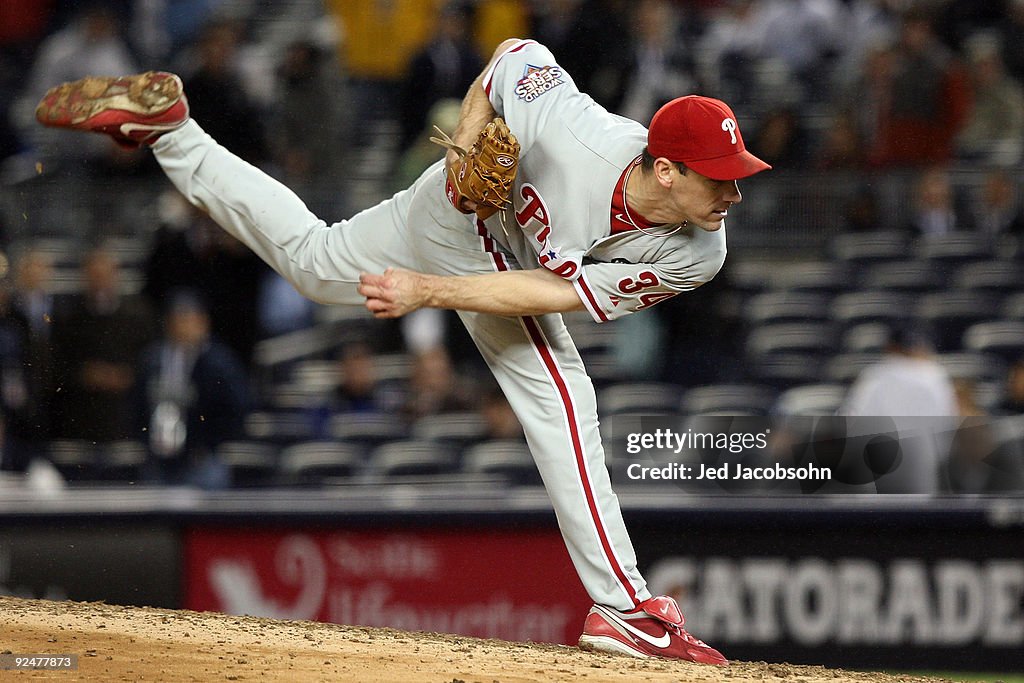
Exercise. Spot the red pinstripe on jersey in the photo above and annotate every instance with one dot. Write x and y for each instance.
(496, 256)
(589, 300)
(554, 372)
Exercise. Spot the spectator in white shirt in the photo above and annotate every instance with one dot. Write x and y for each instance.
(911, 393)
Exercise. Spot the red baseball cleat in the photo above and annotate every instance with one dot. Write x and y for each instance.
(653, 629)
(132, 109)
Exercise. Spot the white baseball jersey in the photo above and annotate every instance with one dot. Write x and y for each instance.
(569, 215)
(567, 201)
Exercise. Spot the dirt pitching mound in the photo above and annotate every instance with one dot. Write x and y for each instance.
(131, 644)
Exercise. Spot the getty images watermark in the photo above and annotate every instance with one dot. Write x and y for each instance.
(672, 442)
(806, 454)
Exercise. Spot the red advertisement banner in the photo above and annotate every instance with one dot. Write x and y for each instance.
(513, 585)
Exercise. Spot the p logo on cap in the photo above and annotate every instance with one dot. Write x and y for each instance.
(689, 130)
(729, 125)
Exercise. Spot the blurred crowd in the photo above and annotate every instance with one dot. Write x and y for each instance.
(320, 93)
(826, 84)
(169, 362)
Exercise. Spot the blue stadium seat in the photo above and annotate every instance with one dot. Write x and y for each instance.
(279, 426)
(784, 370)
(638, 397)
(728, 399)
(458, 430)
(809, 338)
(948, 314)
(312, 462)
(867, 306)
(749, 276)
(785, 307)
(1004, 338)
(122, 460)
(866, 338)
(75, 459)
(980, 367)
(953, 249)
(820, 277)
(252, 463)
(588, 336)
(1013, 307)
(903, 276)
(1000, 277)
(412, 457)
(368, 430)
(811, 399)
(860, 248)
(508, 458)
(604, 369)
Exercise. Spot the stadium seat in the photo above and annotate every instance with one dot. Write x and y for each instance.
(809, 338)
(750, 277)
(455, 429)
(368, 430)
(279, 426)
(821, 277)
(75, 459)
(412, 457)
(1004, 338)
(312, 462)
(866, 338)
(62, 251)
(728, 399)
(786, 306)
(131, 251)
(952, 249)
(846, 367)
(859, 248)
(1009, 247)
(785, 370)
(252, 463)
(11, 482)
(811, 399)
(508, 458)
(1000, 277)
(948, 314)
(638, 397)
(315, 376)
(866, 306)
(288, 395)
(902, 276)
(122, 460)
(393, 367)
(988, 395)
(589, 337)
(979, 367)
(1013, 307)
(604, 369)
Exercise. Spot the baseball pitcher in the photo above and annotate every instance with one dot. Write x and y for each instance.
(545, 203)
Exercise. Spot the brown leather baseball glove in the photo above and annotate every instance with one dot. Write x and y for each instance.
(485, 173)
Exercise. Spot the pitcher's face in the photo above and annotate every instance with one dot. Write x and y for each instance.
(702, 201)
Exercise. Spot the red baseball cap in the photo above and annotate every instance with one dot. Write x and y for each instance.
(702, 133)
